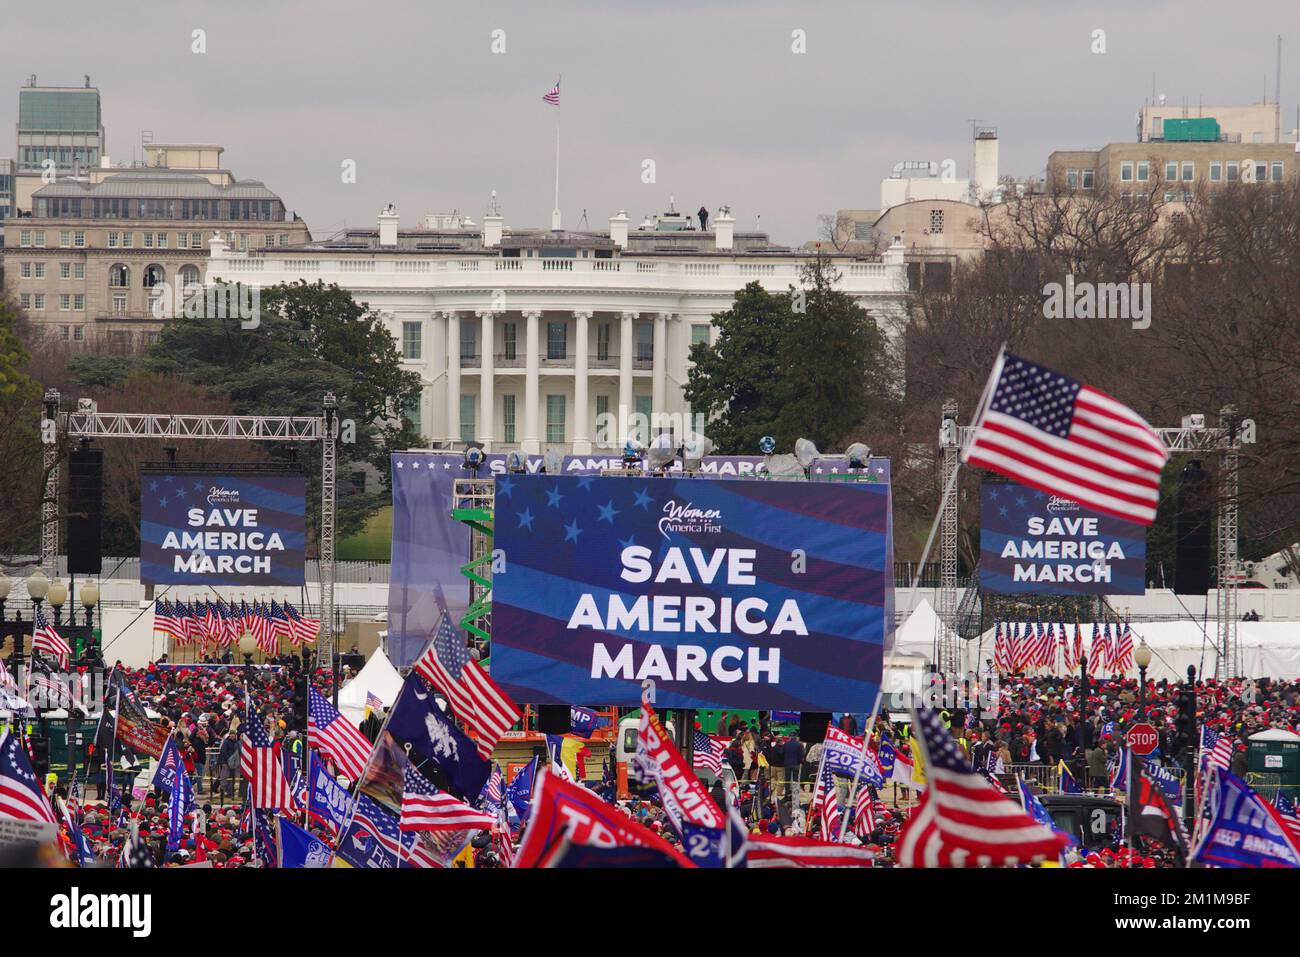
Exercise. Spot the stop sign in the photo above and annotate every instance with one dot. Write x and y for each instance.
(1142, 738)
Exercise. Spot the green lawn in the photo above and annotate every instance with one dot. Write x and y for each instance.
(373, 543)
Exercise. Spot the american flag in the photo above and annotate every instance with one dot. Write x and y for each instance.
(864, 814)
(301, 629)
(1066, 438)
(188, 627)
(46, 639)
(505, 845)
(1002, 650)
(768, 850)
(1068, 660)
(332, 734)
(826, 805)
(280, 626)
(135, 853)
(164, 620)
(486, 710)
(425, 808)
(263, 635)
(21, 796)
(259, 758)
(1100, 658)
(961, 819)
(1216, 748)
(1021, 648)
(553, 95)
(1122, 662)
(1284, 804)
(706, 752)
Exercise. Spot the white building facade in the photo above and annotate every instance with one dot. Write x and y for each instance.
(541, 339)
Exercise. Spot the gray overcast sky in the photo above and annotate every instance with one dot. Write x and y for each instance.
(709, 90)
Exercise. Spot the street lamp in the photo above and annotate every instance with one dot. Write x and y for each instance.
(38, 586)
(58, 594)
(247, 645)
(5, 586)
(1143, 658)
(90, 598)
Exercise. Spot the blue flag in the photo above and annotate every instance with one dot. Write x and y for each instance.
(1242, 829)
(1034, 808)
(519, 792)
(328, 801)
(170, 766)
(582, 721)
(417, 720)
(298, 848)
(886, 755)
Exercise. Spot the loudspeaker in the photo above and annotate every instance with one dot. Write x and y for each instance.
(1192, 554)
(85, 501)
(812, 726)
(553, 719)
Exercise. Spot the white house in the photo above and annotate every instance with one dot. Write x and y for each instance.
(532, 339)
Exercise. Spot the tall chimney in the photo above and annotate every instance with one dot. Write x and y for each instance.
(388, 226)
(985, 174)
(724, 228)
(618, 229)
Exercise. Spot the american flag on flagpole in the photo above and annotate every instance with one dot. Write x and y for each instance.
(21, 796)
(768, 850)
(1060, 436)
(962, 819)
(49, 641)
(425, 808)
(1216, 748)
(826, 805)
(487, 711)
(1123, 638)
(1002, 650)
(300, 628)
(332, 734)
(259, 759)
(706, 752)
(552, 96)
(864, 815)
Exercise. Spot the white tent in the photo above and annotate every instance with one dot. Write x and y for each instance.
(379, 678)
(1269, 649)
(916, 636)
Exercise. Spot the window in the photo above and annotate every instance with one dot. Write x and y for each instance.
(65, 270)
(65, 333)
(196, 240)
(412, 342)
(645, 342)
(510, 335)
(153, 275)
(79, 302)
(1126, 171)
(1144, 171)
(65, 238)
(1171, 170)
(112, 240)
(78, 333)
(1189, 172)
(1216, 172)
(25, 300)
(79, 239)
(162, 240)
(508, 417)
(1072, 179)
(1261, 172)
(119, 304)
(602, 342)
(40, 270)
(557, 346)
(411, 413)
(699, 333)
(554, 418)
(468, 417)
(602, 406)
(936, 221)
(38, 302)
(65, 302)
(26, 270)
(1277, 172)
(128, 240)
(189, 277)
(25, 238)
(148, 240)
(641, 423)
(1234, 172)
(468, 340)
(40, 239)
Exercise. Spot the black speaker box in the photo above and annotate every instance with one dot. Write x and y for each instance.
(812, 726)
(85, 508)
(553, 719)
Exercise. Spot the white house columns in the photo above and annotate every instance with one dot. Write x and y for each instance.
(453, 375)
(487, 379)
(625, 406)
(659, 368)
(581, 432)
(532, 439)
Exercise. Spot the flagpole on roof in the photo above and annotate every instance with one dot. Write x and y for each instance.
(555, 213)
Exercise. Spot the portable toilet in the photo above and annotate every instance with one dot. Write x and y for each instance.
(1275, 760)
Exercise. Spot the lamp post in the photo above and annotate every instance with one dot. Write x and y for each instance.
(247, 645)
(5, 586)
(58, 594)
(1143, 658)
(38, 586)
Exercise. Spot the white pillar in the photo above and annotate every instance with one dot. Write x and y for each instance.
(453, 376)
(659, 375)
(581, 430)
(532, 441)
(625, 408)
(487, 383)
